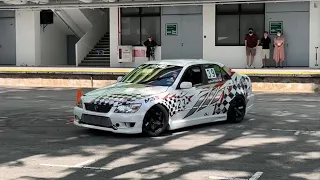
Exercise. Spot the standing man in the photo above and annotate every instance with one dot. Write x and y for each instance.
(265, 41)
(150, 44)
(251, 42)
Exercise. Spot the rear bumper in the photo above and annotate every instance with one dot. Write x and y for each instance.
(121, 123)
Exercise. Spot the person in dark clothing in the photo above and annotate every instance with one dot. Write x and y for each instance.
(251, 43)
(265, 42)
(150, 44)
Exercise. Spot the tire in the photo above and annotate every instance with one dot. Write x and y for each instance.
(237, 110)
(155, 121)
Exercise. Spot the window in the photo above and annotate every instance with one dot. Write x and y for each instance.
(194, 75)
(130, 30)
(153, 74)
(215, 74)
(138, 23)
(233, 22)
(150, 26)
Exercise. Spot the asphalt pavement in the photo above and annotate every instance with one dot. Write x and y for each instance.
(278, 140)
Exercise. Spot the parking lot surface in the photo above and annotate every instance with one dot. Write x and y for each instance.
(278, 140)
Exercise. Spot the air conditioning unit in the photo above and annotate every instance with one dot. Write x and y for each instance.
(15, 2)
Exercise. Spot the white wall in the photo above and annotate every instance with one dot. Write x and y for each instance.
(53, 46)
(231, 56)
(80, 19)
(58, 22)
(28, 42)
(314, 33)
(95, 16)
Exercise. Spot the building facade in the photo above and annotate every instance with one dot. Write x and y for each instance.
(217, 32)
(213, 32)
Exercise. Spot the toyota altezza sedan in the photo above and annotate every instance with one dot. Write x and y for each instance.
(165, 95)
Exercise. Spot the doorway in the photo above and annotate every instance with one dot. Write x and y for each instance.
(296, 34)
(186, 42)
(7, 41)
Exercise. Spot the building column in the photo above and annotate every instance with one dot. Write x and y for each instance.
(314, 34)
(209, 25)
(114, 20)
(28, 42)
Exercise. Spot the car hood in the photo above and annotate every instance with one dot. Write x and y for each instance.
(124, 92)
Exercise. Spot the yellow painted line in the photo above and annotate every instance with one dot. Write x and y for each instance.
(115, 70)
(281, 73)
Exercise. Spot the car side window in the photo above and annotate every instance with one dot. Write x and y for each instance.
(213, 73)
(225, 75)
(194, 75)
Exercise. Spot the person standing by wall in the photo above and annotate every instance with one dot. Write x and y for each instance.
(150, 44)
(251, 42)
(278, 54)
(265, 42)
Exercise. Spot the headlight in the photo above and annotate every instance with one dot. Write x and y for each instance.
(129, 108)
(80, 104)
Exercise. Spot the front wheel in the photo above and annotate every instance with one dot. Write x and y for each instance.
(155, 121)
(237, 109)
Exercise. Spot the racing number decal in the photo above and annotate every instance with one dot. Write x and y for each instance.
(180, 102)
(211, 74)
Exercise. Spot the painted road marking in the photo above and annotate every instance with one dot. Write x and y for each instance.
(288, 130)
(85, 163)
(224, 178)
(232, 127)
(294, 130)
(256, 176)
(75, 167)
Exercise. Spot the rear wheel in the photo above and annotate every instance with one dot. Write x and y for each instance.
(155, 121)
(237, 109)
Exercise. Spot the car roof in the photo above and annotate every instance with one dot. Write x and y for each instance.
(183, 62)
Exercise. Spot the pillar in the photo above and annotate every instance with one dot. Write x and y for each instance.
(28, 39)
(314, 34)
(114, 35)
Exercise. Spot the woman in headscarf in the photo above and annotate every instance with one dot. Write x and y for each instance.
(278, 53)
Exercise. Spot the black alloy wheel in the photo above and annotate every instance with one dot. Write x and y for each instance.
(237, 109)
(155, 121)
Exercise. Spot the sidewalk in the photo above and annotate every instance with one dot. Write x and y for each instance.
(96, 70)
(286, 80)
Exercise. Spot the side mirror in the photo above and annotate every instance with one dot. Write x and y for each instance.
(119, 78)
(186, 85)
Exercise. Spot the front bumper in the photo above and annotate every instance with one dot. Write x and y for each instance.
(127, 123)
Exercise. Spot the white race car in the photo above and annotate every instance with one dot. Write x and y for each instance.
(166, 95)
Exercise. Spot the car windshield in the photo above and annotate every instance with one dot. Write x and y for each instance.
(153, 74)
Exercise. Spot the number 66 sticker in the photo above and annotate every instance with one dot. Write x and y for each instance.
(211, 73)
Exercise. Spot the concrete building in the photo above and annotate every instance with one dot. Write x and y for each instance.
(209, 31)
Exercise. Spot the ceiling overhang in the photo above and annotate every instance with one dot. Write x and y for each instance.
(75, 4)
